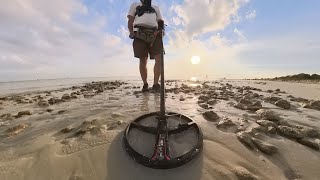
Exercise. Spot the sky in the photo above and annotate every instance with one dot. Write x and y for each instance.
(44, 39)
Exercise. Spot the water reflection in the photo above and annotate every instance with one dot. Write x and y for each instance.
(150, 102)
(145, 102)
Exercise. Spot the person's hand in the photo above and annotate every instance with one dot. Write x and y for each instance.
(131, 36)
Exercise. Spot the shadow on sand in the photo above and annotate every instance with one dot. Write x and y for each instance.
(122, 167)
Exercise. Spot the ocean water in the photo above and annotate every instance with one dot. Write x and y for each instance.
(15, 87)
(309, 91)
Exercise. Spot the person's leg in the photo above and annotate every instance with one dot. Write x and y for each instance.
(157, 69)
(143, 69)
(141, 52)
(155, 53)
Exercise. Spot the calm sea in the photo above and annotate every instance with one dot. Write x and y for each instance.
(14, 87)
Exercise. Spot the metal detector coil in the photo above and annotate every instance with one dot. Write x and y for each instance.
(161, 157)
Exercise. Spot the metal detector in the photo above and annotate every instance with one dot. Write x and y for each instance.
(174, 138)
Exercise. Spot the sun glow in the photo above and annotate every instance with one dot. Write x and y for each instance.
(195, 59)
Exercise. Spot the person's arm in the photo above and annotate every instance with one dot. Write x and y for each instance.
(131, 15)
(160, 20)
(130, 24)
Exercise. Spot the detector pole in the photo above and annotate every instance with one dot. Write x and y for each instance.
(162, 90)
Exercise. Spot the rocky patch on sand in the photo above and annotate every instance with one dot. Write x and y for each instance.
(290, 132)
(211, 116)
(23, 113)
(268, 115)
(246, 104)
(7, 116)
(43, 103)
(313, 105)
(253, 143)
(226, 123)
(310, 143)
(15, 130)
(283, 104)
(88, 128)
(266, 121)
(243, 174)
(265, 147)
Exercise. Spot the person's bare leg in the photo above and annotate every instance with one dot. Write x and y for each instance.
(157, 69)
(143, 69)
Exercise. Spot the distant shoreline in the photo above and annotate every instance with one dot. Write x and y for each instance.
(292, 81)
(297, 78)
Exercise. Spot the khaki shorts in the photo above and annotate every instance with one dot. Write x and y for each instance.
(142, 49)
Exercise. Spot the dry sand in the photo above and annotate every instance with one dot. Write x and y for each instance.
(251, 131)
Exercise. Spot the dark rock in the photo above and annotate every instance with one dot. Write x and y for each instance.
(245, 139)
(313, 105)
(245, 101)
(211, 116)
(212, 102)
(182, 98)
(260, 129)
(240, 106)
(255, 106)
(283, 104)
(61, 111)
(43, 103)
(271, 130)
(99, 91)
(66, 130)
(225, 123)
(49, 110)
(6, 116)
(24, 113)
(204, 106)
(266, 123)
(4, 98)
(265, 147)
(55, 101)
(290, 132)
(73, 94)
(299, 99)
(88, 95)
(255, 95)
(272, 99)
(204, 98)
(66, 97)
(223, 98)
(310, 132)
(309, 142)
(86, 126)
(268, 114)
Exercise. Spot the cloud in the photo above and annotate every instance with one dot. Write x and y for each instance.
(204, 16)
(41, 35)
(251, 15)
(241, 36)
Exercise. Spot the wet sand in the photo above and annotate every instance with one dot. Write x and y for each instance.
(252, 130)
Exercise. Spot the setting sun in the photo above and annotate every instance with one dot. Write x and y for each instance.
(195, 59)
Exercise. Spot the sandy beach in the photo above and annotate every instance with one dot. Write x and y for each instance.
(252, 130)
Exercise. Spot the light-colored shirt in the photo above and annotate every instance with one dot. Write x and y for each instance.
(147, 19)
